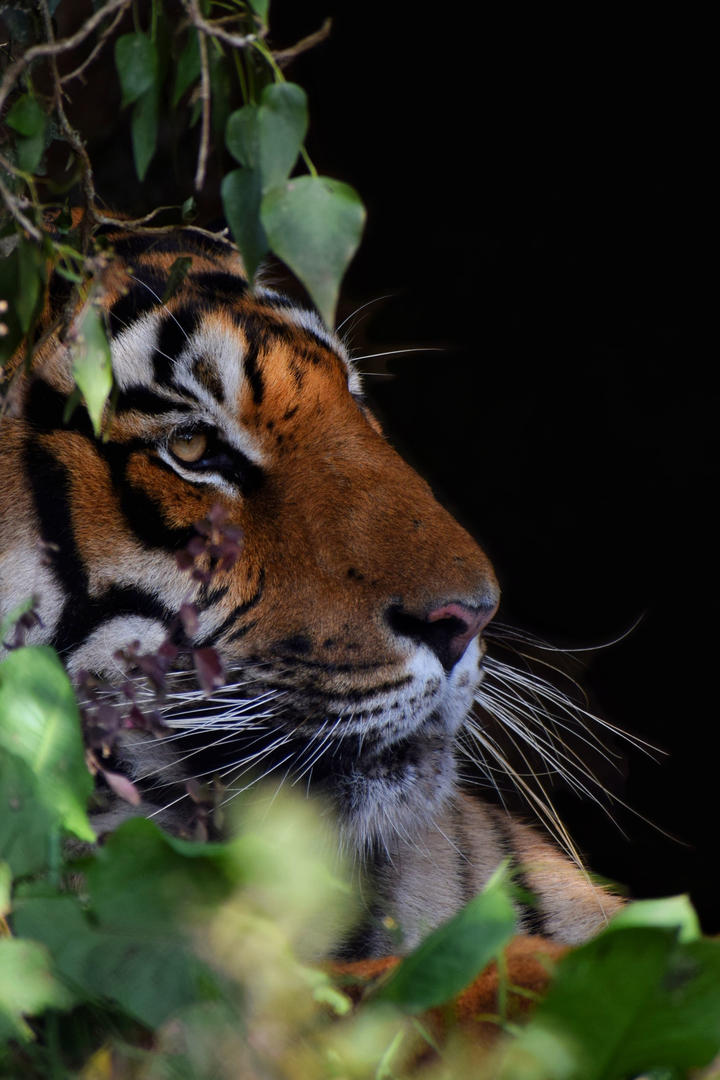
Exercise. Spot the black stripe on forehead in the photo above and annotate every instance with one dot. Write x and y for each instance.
(180, 242)
(220, 285)
(142, 296)
(174, 331)
(139, 398)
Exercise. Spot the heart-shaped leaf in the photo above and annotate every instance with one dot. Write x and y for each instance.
(136, 63)
(268, 136)
(241, 196)
(314, 224)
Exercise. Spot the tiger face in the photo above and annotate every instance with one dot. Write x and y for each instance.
(356, 604)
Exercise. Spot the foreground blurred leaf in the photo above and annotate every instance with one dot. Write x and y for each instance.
(630, 1000)
(669, 911)
(25, 821)
(92, 368)
(450, 958)
(149, 975)
(314, 225)
(39, 723)
(27, 986)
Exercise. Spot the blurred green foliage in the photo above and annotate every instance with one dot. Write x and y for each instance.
(151, 956)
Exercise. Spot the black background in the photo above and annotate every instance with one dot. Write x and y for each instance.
(533, 209)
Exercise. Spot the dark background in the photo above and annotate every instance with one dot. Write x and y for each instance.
(533, 208)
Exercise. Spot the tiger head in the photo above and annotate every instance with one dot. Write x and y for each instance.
(356, 604)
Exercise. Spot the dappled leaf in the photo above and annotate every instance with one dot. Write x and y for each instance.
(314, 225)
(449, 959)
(39, 723)
(92, 368)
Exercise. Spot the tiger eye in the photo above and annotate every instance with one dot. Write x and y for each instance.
(190, 447)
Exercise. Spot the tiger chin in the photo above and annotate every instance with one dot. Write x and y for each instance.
(352, 620)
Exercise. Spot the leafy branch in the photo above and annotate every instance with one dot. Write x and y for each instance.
(208, 67)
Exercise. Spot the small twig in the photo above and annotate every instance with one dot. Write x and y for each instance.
(72, 136)
(129, 223)
(238, 41)
(205, 124)
(54, 48)
(109, 29)
(13, 206)
(162, 230)
(284, 56)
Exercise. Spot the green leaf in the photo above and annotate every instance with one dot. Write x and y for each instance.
(8, 623)
(27, 986)
(631, 1000)
(30, 284)
(145, 880)
(144, 128)
(92, 368)
(5, 877)
(27, 116)
(136, 63)
(261, 8)
(30, 151)
(449, 959)
(268, 136)
(149, 977)
(149, 896)
(39, 723)
(26, 822)
(242, 136)
(241, 195)
(314, 224)
(188, 67)
(669, 911)
(176, 276)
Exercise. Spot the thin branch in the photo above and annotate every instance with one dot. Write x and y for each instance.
(109, 29)
(54, 48)
(284, 56)
(71, 135)
(13, 206)
(238, 41)
(205, 124)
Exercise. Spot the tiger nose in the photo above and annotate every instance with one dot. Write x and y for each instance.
(448, 630)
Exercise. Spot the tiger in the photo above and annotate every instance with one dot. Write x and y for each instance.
(356, 608)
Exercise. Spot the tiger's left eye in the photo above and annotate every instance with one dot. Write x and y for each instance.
(189, 447)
